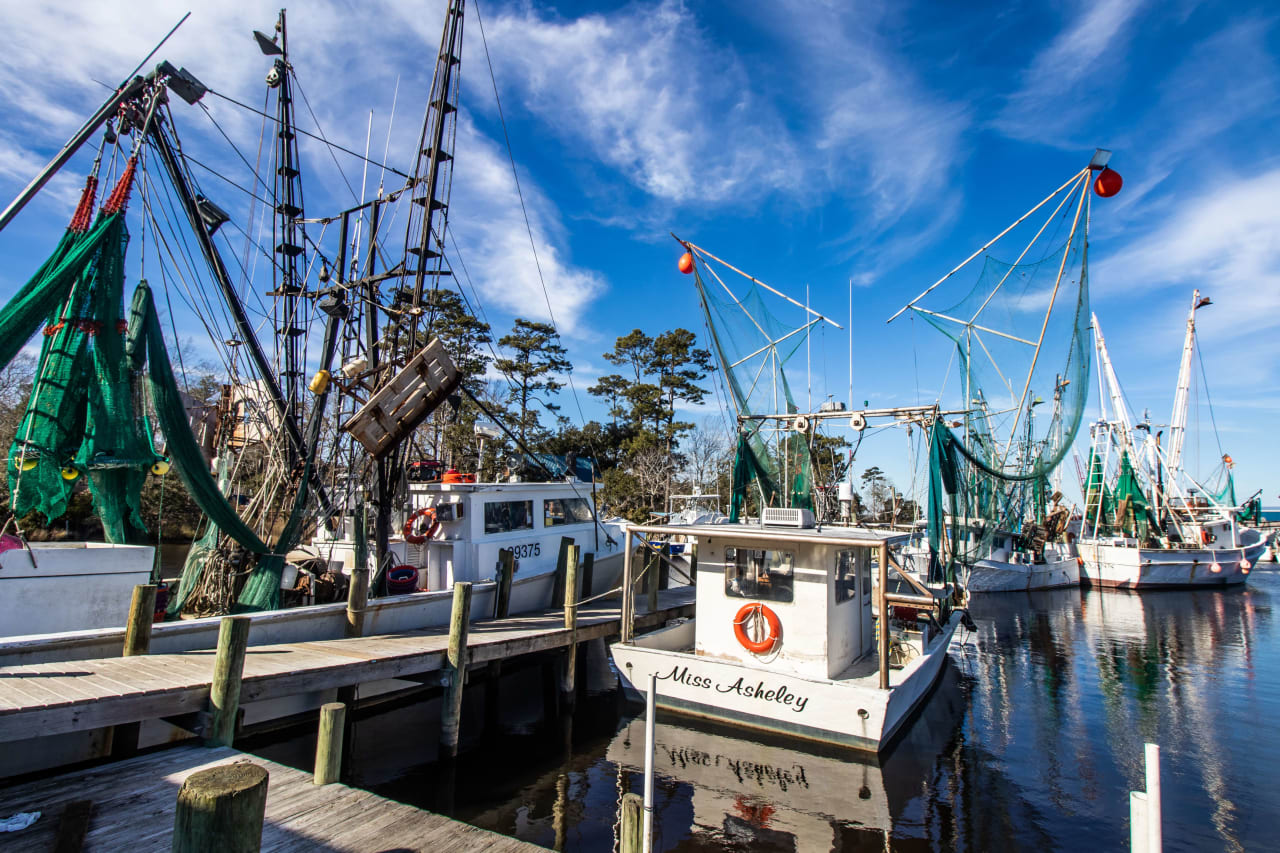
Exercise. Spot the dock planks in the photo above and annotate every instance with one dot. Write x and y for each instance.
(132, 808)
(54, 698)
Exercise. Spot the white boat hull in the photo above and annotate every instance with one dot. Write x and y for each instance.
(1114, 563)
(1060, 568)
(850, 711)
(69, 586)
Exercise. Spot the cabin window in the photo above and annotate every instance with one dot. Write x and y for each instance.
(851, 572)
(557, 511)
(501, 516)
(764, 575)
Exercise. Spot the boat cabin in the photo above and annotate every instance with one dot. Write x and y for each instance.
(801, 600)
(453, 531)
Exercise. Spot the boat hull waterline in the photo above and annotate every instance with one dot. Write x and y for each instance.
(851, 712)
(1130, 567)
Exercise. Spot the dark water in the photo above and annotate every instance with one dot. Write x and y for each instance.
(1032, 742)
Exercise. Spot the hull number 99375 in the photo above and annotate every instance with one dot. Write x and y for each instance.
(524, 552)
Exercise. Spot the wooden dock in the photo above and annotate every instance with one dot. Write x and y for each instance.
(132, 808)
(53, 698)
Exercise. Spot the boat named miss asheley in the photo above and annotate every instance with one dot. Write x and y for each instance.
(786, 637)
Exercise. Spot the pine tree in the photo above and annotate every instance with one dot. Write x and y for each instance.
(537, 356)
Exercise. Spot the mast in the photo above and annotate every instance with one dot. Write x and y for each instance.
(1178, 421)
(433, 159)
(1107, 372)
(289, 239)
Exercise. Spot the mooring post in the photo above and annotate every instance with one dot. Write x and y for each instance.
(557, 588)
(455, 670)
(137, 641)
(357, 600)
(224, 692)
(571, 625)
(506, 574)
(220, 810)
(328, 766)
(142, 614)
(588, 575)
(664, 567)
(631, 833)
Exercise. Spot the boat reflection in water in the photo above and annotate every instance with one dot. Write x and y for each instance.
(751, 792)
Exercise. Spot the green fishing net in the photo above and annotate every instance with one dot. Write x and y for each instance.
(754, 349)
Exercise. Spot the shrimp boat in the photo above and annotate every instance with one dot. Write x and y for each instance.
(1147, 523)
(788, 637)
(453, 531)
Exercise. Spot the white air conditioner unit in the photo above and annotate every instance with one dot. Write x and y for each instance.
(776, 517)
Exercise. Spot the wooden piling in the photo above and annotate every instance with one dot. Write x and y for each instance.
(142, 614)
(631, 833)
(557, 589)
(664, 568)
(328, 766)
(455, 670)
(571, 625)
(506, 573)
(357, 600)
(588, 575)
(220, 810)
(224, 692)
(137, 641)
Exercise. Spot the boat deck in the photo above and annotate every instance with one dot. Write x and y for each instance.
(130, 806)
(53, 698)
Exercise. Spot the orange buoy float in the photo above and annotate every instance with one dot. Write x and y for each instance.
(416, 534)
(1108, 183)
(762, 646)
(686, 263)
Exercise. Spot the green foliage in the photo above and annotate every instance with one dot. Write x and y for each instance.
(537, 355)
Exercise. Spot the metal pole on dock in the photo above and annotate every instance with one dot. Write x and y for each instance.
(224, 692)
(884, 616)
(650, 712)
(1145, 835)
(455, 670)
(626, 629)
(221, 809)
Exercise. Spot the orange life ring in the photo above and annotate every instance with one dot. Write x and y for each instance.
(758, 647)
(411, 526)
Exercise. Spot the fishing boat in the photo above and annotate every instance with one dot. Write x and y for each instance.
(1020, 339)
(325, 404)
(1147, 523)
(453, 531)
(788, 636)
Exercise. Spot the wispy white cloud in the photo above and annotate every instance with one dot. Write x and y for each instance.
(648, 93)
(1060, 88)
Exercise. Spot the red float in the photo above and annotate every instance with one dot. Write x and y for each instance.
(686, 263)
(1108, 183)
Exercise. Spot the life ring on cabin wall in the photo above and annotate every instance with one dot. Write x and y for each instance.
(757, 647)
(411, 527)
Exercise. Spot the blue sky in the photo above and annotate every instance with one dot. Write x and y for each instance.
(812, 144)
